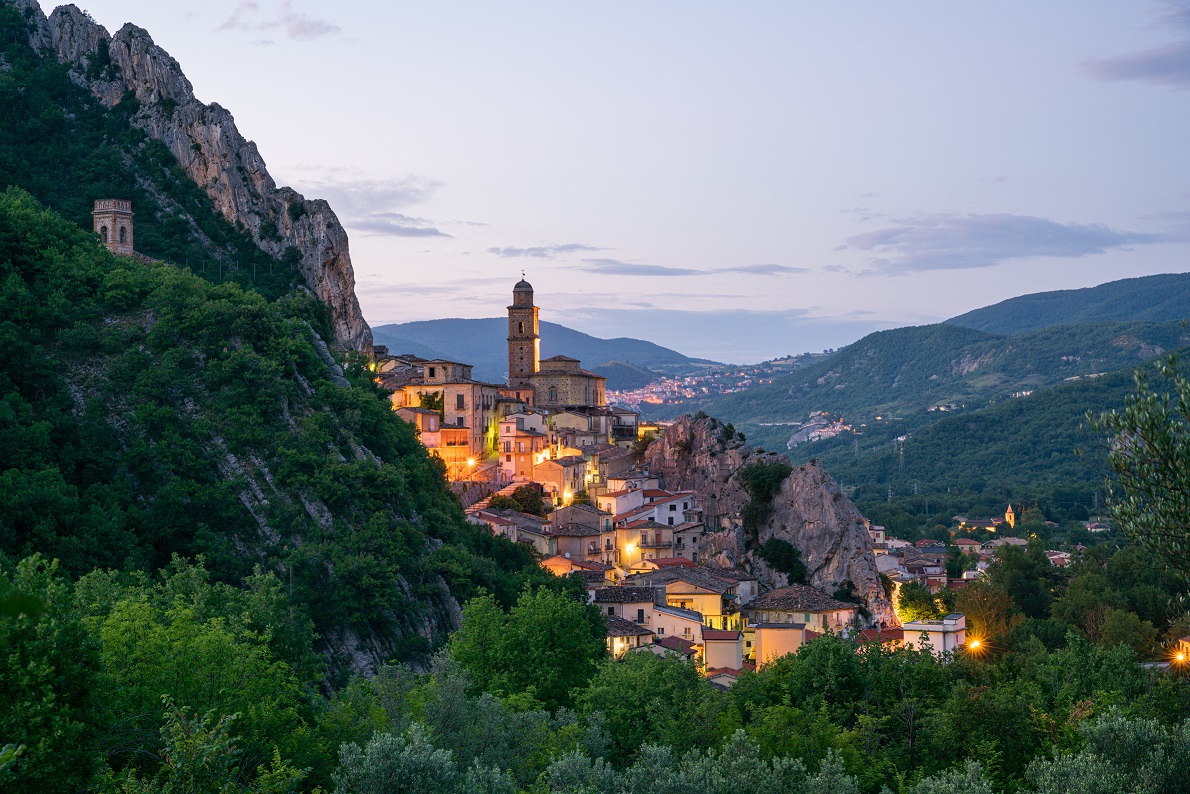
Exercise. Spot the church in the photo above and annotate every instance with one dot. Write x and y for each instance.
(552, 384)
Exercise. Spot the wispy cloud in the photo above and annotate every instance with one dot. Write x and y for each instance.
(616, 267)
(543, 251)
(373, 206)
(394, 224)
(763, 270)
(950, 242)
(294, 25)
(1167, 64)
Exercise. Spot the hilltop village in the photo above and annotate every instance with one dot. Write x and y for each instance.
(545, 461)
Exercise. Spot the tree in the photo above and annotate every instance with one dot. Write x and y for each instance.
(547, 645)
(989, 611)
(48, 677)
(783, 556)
(915, 602)
(1023, 574)
(1149, 454)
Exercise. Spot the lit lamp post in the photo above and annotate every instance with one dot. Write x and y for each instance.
(471, 469)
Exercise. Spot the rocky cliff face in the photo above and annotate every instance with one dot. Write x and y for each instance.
(809, 511)
(208, 147)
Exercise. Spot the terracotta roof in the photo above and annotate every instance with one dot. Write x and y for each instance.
(656, 492)
(882, 635)
(559, 358)
(592, 579)
(967, 542)
(672, 562)
(734, 672)
(797, 598)
(624, 595)
(618, 627)
(677, 644)
(720, 634)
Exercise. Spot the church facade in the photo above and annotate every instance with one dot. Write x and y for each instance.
(557, 382)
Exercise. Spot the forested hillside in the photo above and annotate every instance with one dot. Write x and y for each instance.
(908, 370)
(60, 144)
(147, 413)
(1148, 298)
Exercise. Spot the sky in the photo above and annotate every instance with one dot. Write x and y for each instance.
(737, 181)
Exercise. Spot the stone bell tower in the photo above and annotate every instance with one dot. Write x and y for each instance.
(113, 224)
(524, 343)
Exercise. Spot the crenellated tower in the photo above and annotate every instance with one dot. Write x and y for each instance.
(524, 343)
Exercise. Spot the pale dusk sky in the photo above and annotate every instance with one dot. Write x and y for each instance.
(733, 180)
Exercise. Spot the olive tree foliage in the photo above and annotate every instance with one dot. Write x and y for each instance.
(1149, 456)
(410, 764)
(967, 779)
(737, 766)
(1129, 756)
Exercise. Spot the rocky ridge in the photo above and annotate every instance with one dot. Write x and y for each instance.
(809, 511)
(211, 151)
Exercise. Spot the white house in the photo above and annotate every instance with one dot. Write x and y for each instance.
(940, 636)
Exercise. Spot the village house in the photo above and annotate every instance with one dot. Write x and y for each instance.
(722, 649)
(562, 477)
(523, 440)
(945, 635)
(672, 645)
(805, 605)
(625, 635)
(635, 603)
(771, 641)
(671, 621)
(716, 599)
(635, 479)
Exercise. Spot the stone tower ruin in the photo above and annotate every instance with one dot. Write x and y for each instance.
(113, 224)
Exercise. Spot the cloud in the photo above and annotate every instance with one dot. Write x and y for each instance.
(294, 24)
(1168, 64)
(949, 242)
(834, 269)
(614, 267)
(372, 206)
(543, 251)
(763, 270)
(394, 224)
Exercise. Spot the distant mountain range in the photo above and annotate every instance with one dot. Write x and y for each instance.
(626, 363)
(907, 371)
(1148, 298)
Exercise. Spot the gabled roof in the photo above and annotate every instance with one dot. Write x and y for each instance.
(618, 627)
(625, 595)
(797, 598)
(560, 358)
(572, 530)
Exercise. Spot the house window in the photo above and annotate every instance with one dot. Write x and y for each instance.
(673, 508)
(461, 422)
(431, 372)
(103, 233)
(553, 395)
(123, 235)
(807, 617)
(686, 632)
(508, 458)
(671, 521)
(611, 610)
(508, 447)
(660, 630)
(460, 403)
(640, 616)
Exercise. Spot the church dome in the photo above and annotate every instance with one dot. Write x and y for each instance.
(523, 286)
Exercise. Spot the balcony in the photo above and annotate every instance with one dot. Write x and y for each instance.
(656, 544)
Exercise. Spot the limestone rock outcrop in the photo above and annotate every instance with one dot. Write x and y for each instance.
(211, 151)
(809, 511)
